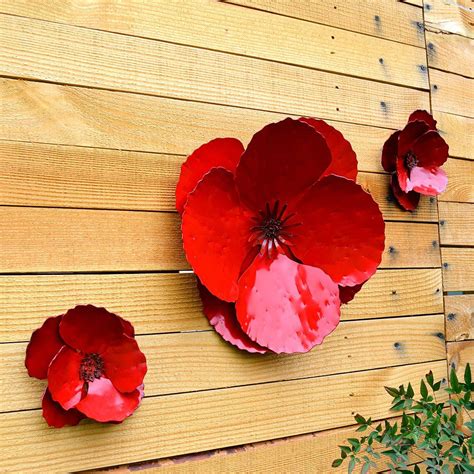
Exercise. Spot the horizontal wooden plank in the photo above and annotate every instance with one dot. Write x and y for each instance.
(459, 317)
(391, 19)
(175, 366)
(454, 16)
(158, 303)
(180, 424)
(452, 93)
(460, 353)
(458, 132)
(49, 175)
(460, 181)
(458, 268)
(451, 53)
(71, 240)
(456, 223)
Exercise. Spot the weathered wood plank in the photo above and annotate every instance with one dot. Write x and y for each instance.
(458, 268)
(181, 424)
(454, 16)
(459, 354)
(157, 303)
(58, 176)
(189, 362)
(70, 240)
(460, 181)
(391, 19)
(451, 53)
(459, 317)
(458, 132)
(452, 93)
(456, 223)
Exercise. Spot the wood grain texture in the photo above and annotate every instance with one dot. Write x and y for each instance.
(391, 19)
(455, 16)
(188, 362)
(451, 53)
(459, 354)
(180, 424)
(456, 223)
(458, 268)
(459, 317)
(210, 24)
(458, 132)
(71, 240)
(460, 181)
(58, 176)
(452, 93)
(67, 54)
(163, 303)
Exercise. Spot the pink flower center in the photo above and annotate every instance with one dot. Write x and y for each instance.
(92, 367)
(273, 228)
(411, 160)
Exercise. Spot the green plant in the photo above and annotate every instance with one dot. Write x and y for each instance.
(430, 432)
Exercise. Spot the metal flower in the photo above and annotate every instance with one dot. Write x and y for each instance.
(414, 156)
(274, 231)
(92, 363)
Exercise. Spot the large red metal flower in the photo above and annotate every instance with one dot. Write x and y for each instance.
(275, 230)
(414, 156)
(92, 363)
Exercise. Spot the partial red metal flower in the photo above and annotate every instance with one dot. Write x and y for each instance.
(274, 235)
(414, 156)
(92, 363)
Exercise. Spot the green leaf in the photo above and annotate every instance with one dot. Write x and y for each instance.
(417, 469)
(467, 375)
(423, 390)
(336, 462)
(360, 419)
(354, 442)
(365, 468)
(430, 379)
(454, 382)
(351, 466)
(410, 392)
(393, 392)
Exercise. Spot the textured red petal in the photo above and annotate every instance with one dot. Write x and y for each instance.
(408, 201)
(430, 150)
(222, 317)
(105, 403)
(424, 116)
(389, 152)
(341, 231)
(56, 416)
(430, 182)
(343, 157)
(44, 344)
(127, 326)
(64, 382)
(220, 152)
(216, 232)
(409, 135)
(286, 306)
(347, 293)
(125, 364)
(90, 329)
(402, 175)
(281, 161)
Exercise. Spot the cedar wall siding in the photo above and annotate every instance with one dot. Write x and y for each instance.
(101, 101)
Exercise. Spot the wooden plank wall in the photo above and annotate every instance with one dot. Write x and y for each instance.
(100, 104)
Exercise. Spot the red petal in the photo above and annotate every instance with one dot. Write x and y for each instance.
(287, 306)
(105, 403)
(90, 329)
(430, 182)
(56, 416)
(221, 316)
(408, 136)
(342, 231)
(389, 152)
(430, 150)
(216, 231)
(221, 152)
(343, 157)
(347, 293)
(281, 161)
(64, 382)
(408, 201)
(44, 344)
(127, 326)
(125, 364)
(402, 175)
(424, 116)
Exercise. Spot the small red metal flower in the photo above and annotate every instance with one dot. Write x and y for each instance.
(278, 233)
(414, 156)
(92, 363)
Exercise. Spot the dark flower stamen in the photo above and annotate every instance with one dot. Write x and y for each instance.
(410, 160)
(92, 367)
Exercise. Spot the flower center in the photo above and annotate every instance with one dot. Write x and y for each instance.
(92, 367)
(411, 160)
(272, 229)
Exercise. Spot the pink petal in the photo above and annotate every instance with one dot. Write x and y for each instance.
(430, 182)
